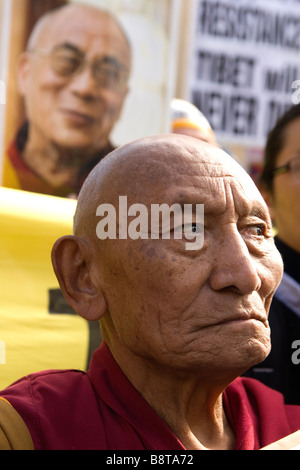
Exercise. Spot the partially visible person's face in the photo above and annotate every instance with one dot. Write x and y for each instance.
(205, 308)
(285, 207)
(74, 112)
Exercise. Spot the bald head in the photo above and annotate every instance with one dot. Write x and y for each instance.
(149, 168)
(58, 17)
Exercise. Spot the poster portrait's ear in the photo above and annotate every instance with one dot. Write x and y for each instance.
(70, 258)
(23, 73)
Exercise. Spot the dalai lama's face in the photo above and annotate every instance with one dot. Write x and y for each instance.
(74, 79)
(205, 308)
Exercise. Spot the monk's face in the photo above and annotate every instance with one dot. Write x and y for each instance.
(191, 308)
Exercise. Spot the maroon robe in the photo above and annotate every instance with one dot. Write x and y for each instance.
(100, 409)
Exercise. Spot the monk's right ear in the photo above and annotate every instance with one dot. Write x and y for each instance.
(72, 258)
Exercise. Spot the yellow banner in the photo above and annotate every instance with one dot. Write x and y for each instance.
(38, 330)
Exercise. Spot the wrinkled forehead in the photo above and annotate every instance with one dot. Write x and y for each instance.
(192, 167)
(188, 172)
(169, 170)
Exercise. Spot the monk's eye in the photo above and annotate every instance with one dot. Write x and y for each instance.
(255, 230)
(188, 229)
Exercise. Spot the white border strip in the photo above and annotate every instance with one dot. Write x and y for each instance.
(5, 27)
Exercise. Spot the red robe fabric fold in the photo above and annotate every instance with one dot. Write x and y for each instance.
(101, 410)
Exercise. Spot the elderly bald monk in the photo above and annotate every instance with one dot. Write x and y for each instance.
(179, 325)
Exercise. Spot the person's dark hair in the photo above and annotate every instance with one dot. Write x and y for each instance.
(274, 145)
